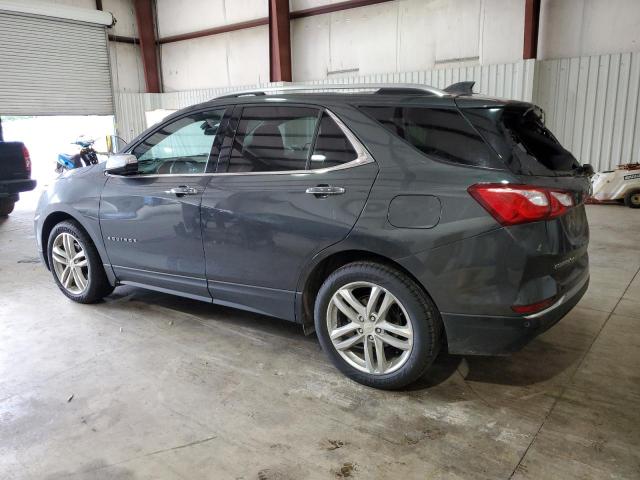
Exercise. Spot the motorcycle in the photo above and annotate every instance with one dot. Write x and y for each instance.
(85, 157)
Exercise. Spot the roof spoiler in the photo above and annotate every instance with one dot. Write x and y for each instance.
(460, 88)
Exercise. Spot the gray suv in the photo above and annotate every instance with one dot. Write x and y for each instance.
(393, 220)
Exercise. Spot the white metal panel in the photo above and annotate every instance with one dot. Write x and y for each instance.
(591, 104)
(50, 66)
(130, 115)
(514, 81)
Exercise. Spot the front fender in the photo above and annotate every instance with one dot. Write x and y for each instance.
(78, 197)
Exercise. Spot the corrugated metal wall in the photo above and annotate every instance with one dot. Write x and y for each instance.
(513, 80)
(130, 114)
(508, 80)
(591, 104)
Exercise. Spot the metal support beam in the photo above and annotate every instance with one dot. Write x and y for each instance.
(309, 12)
(531, 24)
(148, 49)
(335, 7)
(279, 41)
(215, 31)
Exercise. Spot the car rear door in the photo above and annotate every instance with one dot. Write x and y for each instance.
(291, 181)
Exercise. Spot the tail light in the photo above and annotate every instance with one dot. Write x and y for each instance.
(515, 204)
(27, 159)
(534, 307)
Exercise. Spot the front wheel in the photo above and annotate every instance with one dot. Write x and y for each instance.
(377, 325)
(632, 199)
(75, 264)
(6, 206)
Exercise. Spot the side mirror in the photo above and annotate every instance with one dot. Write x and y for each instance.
(122, 164)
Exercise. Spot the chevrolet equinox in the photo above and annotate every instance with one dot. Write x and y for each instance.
(394, 220)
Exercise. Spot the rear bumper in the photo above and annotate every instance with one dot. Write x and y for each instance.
(483, 335)
(10, 187)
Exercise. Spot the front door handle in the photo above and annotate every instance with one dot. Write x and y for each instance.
(183, 190)
(322, 191)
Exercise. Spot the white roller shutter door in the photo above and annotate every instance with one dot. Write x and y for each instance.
(53, 66)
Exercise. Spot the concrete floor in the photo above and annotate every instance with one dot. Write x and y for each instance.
(152, 386)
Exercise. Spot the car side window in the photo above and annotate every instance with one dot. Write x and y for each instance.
(273, 138)
(332, 147)
(181, 147)
(440, 133)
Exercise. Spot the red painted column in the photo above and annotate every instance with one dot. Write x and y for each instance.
(147, 35)
(531, 24)
(279, 41)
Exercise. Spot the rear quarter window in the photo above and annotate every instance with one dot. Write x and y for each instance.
(521, 138)
(439, 133)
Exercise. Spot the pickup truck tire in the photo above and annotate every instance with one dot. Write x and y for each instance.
(6, 206)
(75, 263)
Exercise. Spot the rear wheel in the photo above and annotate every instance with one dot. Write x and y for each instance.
(632, 199)
(6, 206)
(377, 325)
(75, 264)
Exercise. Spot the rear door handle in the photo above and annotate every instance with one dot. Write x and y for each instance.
(325, 190)
(183, 190)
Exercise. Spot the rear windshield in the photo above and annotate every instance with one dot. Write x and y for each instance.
(440, 133)
(520, 137)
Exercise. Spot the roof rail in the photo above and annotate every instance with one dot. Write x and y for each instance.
(386, 88)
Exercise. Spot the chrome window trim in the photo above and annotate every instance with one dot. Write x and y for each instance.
(363, 158)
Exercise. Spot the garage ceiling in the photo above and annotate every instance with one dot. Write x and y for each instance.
(54, 61)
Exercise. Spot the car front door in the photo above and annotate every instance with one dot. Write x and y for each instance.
(150, 221)
(291, 181)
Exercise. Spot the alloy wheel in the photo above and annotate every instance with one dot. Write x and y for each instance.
(369, 328)
(70, 263)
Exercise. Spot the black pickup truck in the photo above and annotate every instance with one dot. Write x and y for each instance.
(15, 174)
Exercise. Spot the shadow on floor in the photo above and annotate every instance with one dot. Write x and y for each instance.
(97, 470)
(540, 361)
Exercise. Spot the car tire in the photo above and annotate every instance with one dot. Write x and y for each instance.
(632, 199)
(411, 324)
(6, 206)
(83, 279)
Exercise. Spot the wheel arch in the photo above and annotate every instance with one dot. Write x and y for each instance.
(321, 269)
(49, 222)
(55, 217)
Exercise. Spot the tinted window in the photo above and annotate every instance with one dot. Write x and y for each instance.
(521, 138)
(439, 133)
(273, 138)
(180, 147)
(332, 146)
